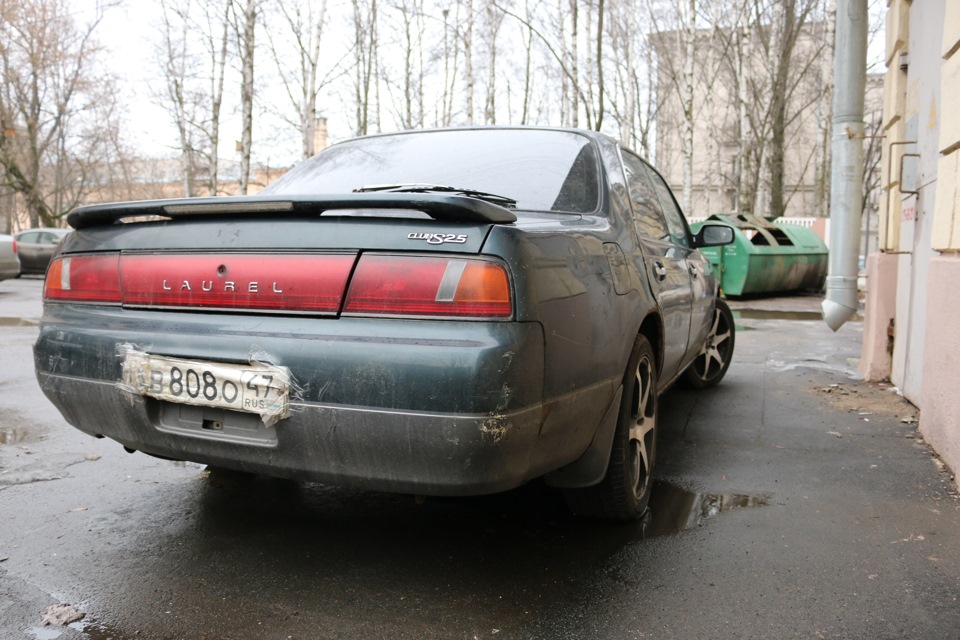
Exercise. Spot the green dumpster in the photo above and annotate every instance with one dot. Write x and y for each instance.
(767, 257)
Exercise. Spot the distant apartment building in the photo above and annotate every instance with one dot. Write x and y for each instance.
(724, 122)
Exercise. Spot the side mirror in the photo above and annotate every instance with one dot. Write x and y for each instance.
(713, 235)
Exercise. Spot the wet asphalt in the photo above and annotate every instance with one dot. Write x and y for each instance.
(776, 514)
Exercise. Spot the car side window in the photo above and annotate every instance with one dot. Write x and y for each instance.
(671, 211)
(30, 238)
(647, 216)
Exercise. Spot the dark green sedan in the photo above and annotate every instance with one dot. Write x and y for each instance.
(445, 312)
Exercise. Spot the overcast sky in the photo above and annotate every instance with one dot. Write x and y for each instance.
(129, 32)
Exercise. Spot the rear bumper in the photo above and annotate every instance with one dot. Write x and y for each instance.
(430, 407)
(385, 450)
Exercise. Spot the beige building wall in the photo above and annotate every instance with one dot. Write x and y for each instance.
(913, 301)
(940, 399)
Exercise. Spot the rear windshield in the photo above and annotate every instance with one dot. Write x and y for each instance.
(541, 170)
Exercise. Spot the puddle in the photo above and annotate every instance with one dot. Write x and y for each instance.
(673, 509)
(18, 322)
(768, 314)
(13, 435)
(49, 467)
(773, 314)
(93, 630)
(90, 630)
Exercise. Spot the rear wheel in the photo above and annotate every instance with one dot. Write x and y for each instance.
(711, 364)
(624, 492)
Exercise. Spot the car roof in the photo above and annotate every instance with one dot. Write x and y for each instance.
(589, 133)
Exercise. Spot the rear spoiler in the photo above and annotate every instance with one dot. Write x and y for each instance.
(445, 207)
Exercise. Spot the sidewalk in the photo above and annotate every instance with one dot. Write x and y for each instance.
(811, 506)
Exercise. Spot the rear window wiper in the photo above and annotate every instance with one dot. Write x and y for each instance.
(416, 187)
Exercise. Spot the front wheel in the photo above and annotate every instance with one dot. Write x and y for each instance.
(624, 492)
(711, 364)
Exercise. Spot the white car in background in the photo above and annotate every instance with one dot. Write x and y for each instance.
(9, 263)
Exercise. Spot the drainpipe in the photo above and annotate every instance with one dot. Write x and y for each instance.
(846, 175)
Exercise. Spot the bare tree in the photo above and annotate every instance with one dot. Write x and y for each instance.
(757, 79)
(178, 68)
(494, 19)
(689, 31)
(296, 45)
(365, 57)
(50, 81)
(468, 61)
(567, 61)
(825, 112)
(451, 60)
(676, 65)
(192, 52)
(245, 14)
(405, 83)
(633, 97)
(787, 75)
(216, 31)
(527, 37)
(600, 87)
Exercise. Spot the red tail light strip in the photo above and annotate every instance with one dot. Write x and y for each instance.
(302, 283)
(404, 286)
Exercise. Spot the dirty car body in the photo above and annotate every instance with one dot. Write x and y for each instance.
(363, 323)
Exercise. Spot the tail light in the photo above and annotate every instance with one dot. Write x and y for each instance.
(14, 246)
(91, 278)
(429, 286)
(411, 286)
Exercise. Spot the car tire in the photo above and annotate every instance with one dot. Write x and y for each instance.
(624, 492)
(711, 364)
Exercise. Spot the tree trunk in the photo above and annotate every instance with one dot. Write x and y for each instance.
(744, 54)
(246, 42)
(528, 62)
(599, 121)
(574, 66)
(825, 111)
(468, 61)
(689, 41)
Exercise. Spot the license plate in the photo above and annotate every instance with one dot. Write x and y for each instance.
(258, 388)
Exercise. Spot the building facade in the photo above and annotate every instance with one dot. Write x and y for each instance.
(723, 62)
(912, 318)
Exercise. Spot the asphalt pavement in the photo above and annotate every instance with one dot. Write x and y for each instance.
(792, 501)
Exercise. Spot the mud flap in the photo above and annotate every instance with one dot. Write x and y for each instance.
(591, 467)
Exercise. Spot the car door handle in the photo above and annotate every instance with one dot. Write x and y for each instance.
(660, 271)
(694, 271)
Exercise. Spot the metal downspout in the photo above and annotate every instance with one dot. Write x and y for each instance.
(846, 175)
